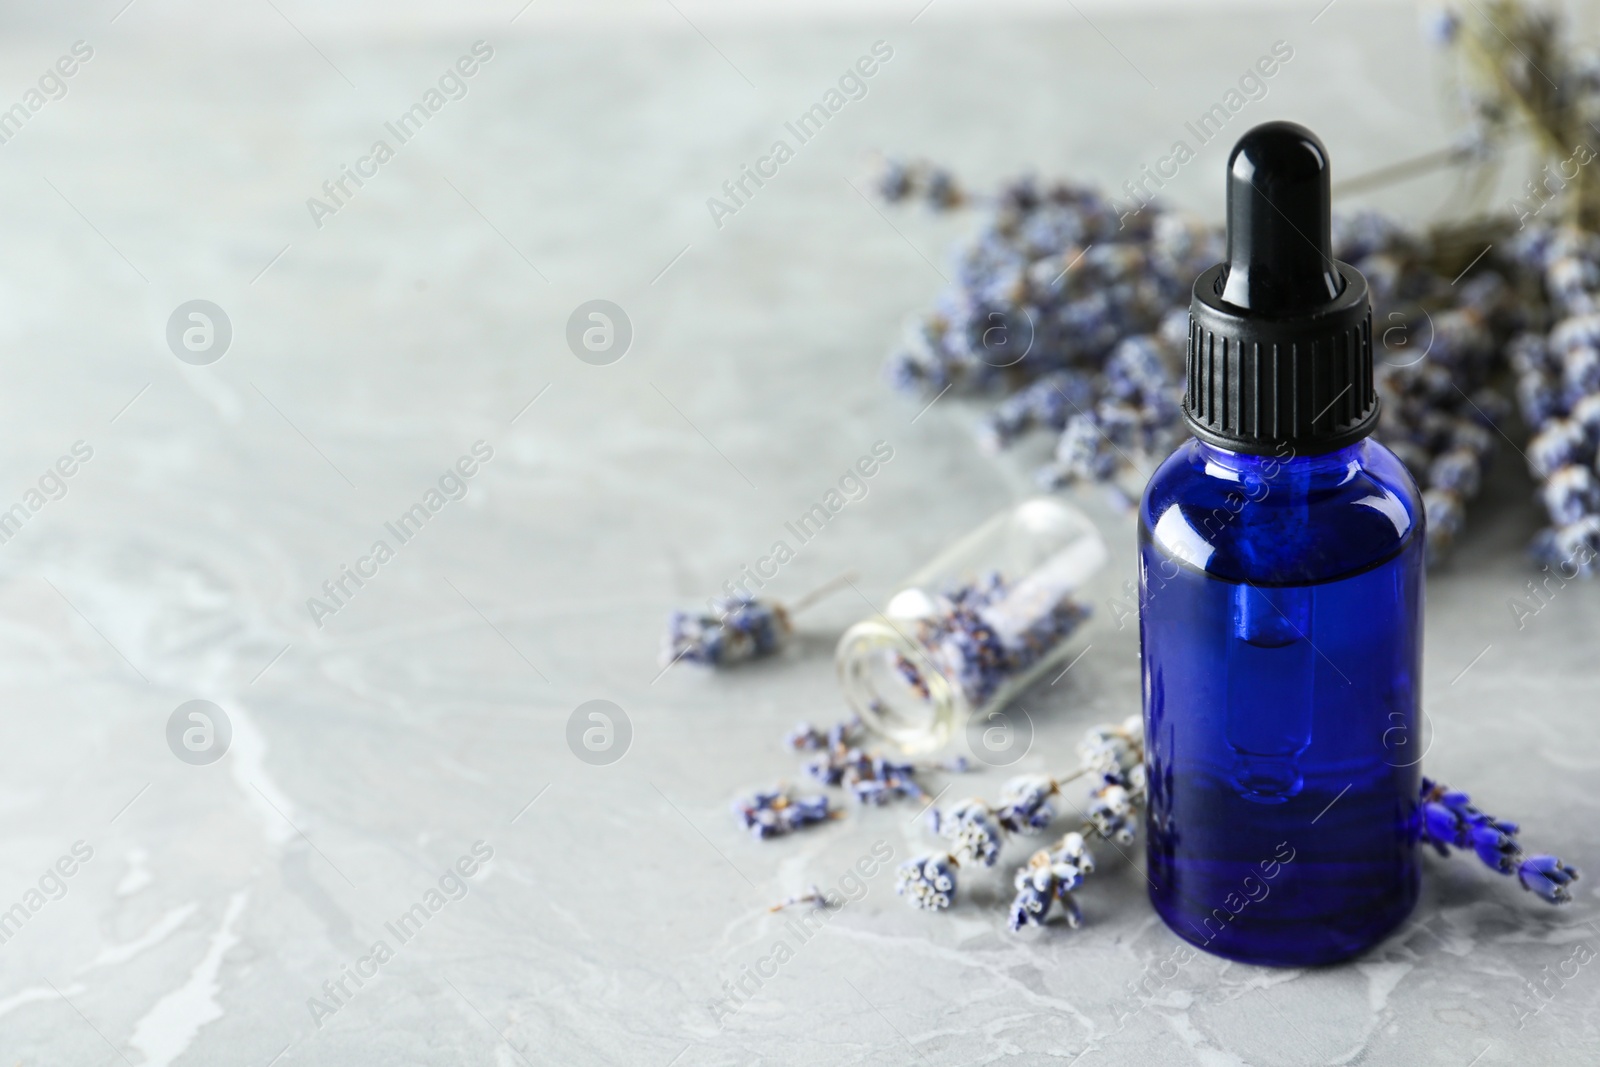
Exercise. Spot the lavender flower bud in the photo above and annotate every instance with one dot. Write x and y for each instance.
(972, 826)
(745, 629)
(929, 881)
(1449, 820)
(1548, 878)
(1571, 493)
(1024, 803)
(775, 812)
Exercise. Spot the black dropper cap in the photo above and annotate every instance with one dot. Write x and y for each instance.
(1280, 336)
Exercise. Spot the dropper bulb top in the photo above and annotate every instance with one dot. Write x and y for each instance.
(1280, 243)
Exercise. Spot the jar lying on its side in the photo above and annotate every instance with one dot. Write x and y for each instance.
(976, 626)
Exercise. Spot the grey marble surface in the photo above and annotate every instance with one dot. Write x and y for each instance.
(428, 716)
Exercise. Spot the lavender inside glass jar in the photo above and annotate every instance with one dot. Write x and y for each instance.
(975, 627)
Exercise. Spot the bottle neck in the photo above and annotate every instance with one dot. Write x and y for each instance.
(1330, 468)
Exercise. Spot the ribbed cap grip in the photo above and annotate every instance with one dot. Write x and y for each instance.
(1280, 336)
(1299, 386)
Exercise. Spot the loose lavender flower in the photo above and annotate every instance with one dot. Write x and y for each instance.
(813, 896)
(872, 777)
(1050, 877)
(825, 769)
(845, 732)
(1570, 493)
(1047, 404)
(1441, 25)
(1113, 809)
(1450, 820)
(929, 881)
(1032, 901)
(876, 779)
(1114, 749)
(1574, 546)
(978, 832)
(744, 629)
(972, 825)
(777, 811)
(841, 734)
(940, 189)
(1548, 877)
(898, 180)
(1561, 443)
(738, 628)
(805, 736)
(1025, 803)
(1444, 513)
(894, 181)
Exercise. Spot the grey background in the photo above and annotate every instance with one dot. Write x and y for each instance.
(367, 356)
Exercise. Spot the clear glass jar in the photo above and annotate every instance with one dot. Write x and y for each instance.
(975, 627)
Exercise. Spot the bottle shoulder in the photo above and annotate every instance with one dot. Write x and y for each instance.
(1281, 520)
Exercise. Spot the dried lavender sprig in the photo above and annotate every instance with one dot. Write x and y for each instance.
(900, 181)
(778, 811)
(805, 737)
(930, 880)
(1558, 390)
(736, 628)
(871, 777)
(813, 895)
(1052, 874)
(1508, 95)
(1049, 878)
(978, 830)
(1553, 103)
(742, 629)
(1450, 820)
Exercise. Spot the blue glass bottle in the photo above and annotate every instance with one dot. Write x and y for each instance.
(1281, 581)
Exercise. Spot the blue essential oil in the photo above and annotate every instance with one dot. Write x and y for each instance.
(1281, 572)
